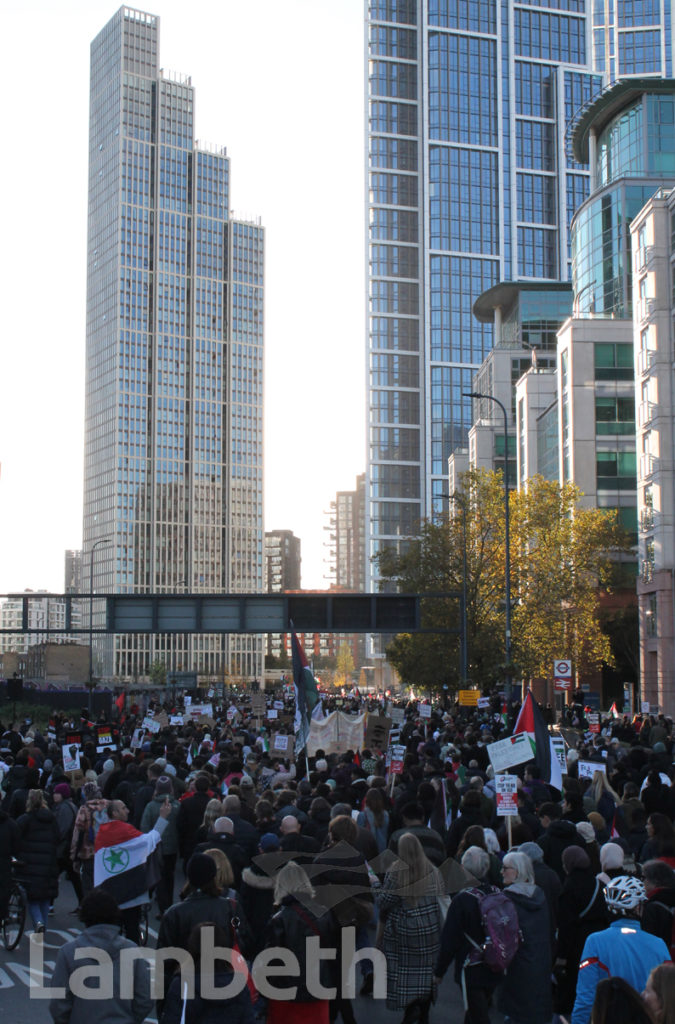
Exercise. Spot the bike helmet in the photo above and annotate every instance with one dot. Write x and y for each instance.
(624, 893)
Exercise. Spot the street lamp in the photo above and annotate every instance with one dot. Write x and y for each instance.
(101, 542)
(464, 654)
(507, 551)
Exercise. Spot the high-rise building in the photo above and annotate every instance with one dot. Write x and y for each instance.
(473, 183)
(350, 521)
(73, 572)
(282, 561)
(174, 374)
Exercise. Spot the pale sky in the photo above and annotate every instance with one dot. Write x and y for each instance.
(281, 84)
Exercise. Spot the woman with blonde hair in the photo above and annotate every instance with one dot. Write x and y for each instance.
(525, 992)
(408, 905)
(38, 846)
(659, 993)
(212, 811)
(606, 799)
(299, 918)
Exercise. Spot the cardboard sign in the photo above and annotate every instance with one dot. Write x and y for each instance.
(272, 714)
(468, 698)
(71, 758)
(559, 745)
(377, 732)
(280, 742)
(510, 752)
(397, 758)
(397, 715)
(258, 704)
(151, 724)
(506, 789)
(587, 769)
(424, 710)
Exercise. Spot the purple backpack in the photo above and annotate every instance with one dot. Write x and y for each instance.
(502, 931)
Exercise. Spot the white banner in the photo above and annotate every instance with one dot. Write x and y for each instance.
(336, 734)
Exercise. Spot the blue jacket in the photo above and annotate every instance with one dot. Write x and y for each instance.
(622, 950)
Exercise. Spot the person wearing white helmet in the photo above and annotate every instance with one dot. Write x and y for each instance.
(623, 950)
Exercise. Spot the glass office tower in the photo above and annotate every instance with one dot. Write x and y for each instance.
(174, 371)
(472, 182)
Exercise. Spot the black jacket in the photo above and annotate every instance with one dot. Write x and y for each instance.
(581, 893)
(657, 914)
(9, 847)
(290, 928)
(557, 837)
(525, 992)
(234, 853)
(38, 844)
(464, 919)
(190, 817)
(257, 896)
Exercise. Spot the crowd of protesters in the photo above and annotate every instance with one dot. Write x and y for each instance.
(276, 852)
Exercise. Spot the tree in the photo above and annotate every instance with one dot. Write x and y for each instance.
(344, 665)
(158, 673)
(559, 558)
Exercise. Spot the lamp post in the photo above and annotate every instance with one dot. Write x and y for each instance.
(464, 654)
(101, 542)
(507, 551)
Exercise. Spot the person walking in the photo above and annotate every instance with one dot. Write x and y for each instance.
(37, 853)
(524, 996)
(65, 813)
(165, 887)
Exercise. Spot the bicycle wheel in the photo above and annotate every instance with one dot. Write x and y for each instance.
(15, 922)
(143, 926)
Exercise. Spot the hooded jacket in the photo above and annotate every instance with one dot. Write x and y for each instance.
(70, 1009)
(38, 842)
(525, 993)
(557, 837)
(658, 912)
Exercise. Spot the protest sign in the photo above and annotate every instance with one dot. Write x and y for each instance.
(272, 714)
(279, 705)
(483, 703)
(137, 739)
(176, 720)
(258, 704)
(377, 732)
(397, 759)
(424, 710)
(397, 715)
(559, 746)
(71, 758)
(468, 698)
(151, 724)
(587, 769)
(510, 752)
(506, 789)
(280, 742)
(593, 719)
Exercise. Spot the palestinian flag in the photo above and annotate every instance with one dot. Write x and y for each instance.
(120, 856)
(531, 721)
(614, 711)
(306, 693)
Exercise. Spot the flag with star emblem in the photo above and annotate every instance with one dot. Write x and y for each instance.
(120, 861)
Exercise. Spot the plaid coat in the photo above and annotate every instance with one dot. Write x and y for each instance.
(411, 940)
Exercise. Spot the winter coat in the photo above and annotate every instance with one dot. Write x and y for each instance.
(657, 914)
(525, 989)
(432, 844)
(557, 837)
(411, 939)
(231, 849)
(82, 844)
(117, 1009)
(468, 817)
(582, 894)
(179, 920)
(380, 833)
(257, 898)
(235, 1010)
(9, 847)
(464, 919)
(65, 813)
(38, 842)
(289, 928)
(170, 834)
(340, 877)
(190, 817)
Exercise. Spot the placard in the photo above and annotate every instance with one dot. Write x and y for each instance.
(151, 724)
(377, 732)
(105, 739)
(71, 758)
(397, 715)
(176, 720)
(593, 720)
(424, 710)
(272, 713)
(513, 750)
(397, 758)
(587, 769)
(483, 703)
(215, 760)
(137, 739)
(200, 710)
(559, 747)
(258, 704)
(232, 711)
(506, 790)
(468, 698)
(280, 742)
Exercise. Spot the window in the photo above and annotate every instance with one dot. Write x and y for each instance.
(616, 471)
(614, 415)
(613, 361)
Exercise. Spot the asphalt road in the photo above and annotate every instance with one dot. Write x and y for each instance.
(19, 1005)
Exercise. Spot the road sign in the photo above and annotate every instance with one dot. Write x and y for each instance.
(562, 675)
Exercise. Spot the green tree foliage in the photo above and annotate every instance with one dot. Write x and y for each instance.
(558, 561)
(158, 673)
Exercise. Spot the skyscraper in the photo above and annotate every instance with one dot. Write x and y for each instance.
(472, 182)
(174, 372)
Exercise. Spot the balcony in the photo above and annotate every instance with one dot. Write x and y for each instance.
(645, 360)
(646, 413)
(646, 309)
(643, 257)
(647, 570)
(649, 465)
(647, 520)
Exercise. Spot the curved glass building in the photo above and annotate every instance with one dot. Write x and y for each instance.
(627, 136)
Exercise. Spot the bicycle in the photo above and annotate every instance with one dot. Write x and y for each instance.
(14, 921)
(143, 926)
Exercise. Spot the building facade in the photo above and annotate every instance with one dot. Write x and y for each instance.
(282, 561)
(174, 372)
(472, 182)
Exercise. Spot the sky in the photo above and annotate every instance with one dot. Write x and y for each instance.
(280, 83)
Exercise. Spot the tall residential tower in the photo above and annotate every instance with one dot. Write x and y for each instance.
(472, 182)
(174, 372)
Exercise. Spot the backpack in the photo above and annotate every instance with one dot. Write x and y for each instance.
(503, 937)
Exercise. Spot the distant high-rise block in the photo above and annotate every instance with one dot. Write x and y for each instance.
(174, 373)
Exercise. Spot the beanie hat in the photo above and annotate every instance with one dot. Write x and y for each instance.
(163, 786)
(63, 789)
(109, 765)
(201, 870)
(91, 791)
(533, 851)
(574, 857)
(586, 831)
(611, 856)
(269, 842)
(322, 765)
(170, 770)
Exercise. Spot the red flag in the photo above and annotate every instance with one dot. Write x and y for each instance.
(357, 759)
(119, 703)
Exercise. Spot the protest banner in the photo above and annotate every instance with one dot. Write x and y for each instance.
(510, 752)
(336, 733)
